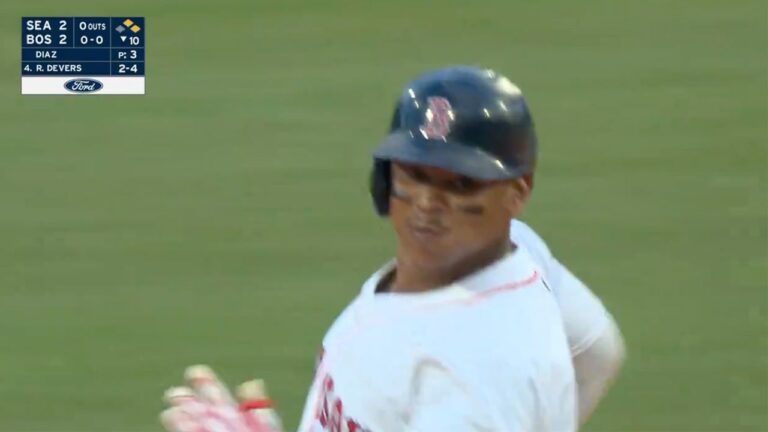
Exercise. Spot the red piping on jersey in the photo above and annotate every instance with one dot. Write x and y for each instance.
(511, 286)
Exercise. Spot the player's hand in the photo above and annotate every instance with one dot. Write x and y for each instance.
(206, 405)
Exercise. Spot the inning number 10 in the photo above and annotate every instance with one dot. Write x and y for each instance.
(133, 40)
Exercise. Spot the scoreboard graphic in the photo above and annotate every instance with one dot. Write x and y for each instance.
(83, 55)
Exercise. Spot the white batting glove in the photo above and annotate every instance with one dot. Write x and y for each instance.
(207, 406)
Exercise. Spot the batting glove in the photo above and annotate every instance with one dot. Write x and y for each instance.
(206, 405)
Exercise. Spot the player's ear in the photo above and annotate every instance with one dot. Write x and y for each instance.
(516, 196)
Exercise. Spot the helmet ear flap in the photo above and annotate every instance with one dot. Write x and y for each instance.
(380, 186)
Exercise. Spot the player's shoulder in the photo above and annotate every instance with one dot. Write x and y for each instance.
(517, 270)
(507, 299)
(345, 319)
(524, 235)
(372, 282)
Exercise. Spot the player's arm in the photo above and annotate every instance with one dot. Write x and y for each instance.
(596, 344)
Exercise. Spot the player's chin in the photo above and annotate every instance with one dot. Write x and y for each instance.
(430, 248)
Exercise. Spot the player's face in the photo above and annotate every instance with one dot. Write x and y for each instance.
(442, 218)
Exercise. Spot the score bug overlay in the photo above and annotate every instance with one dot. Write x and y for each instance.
(83, 55)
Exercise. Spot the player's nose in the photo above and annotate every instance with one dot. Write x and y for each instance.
(430, 200)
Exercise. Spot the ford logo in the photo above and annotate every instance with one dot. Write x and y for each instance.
(82, 85)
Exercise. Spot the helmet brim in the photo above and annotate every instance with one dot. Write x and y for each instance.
(407, 147)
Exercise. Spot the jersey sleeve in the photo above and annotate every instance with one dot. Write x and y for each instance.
(584, 316)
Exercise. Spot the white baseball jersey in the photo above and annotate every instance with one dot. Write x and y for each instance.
(486, 353)
(584, 316)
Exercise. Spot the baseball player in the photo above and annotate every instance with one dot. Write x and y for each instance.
(464, 330)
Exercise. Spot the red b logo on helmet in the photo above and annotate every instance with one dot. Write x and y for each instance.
(438, 118)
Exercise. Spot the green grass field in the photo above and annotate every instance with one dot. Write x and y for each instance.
(224, 216)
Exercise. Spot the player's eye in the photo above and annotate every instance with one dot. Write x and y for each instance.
(418, 174)
(464, 185)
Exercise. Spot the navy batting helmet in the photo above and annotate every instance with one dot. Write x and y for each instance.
(467, 120)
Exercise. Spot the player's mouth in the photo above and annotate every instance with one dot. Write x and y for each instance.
(427, 230)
